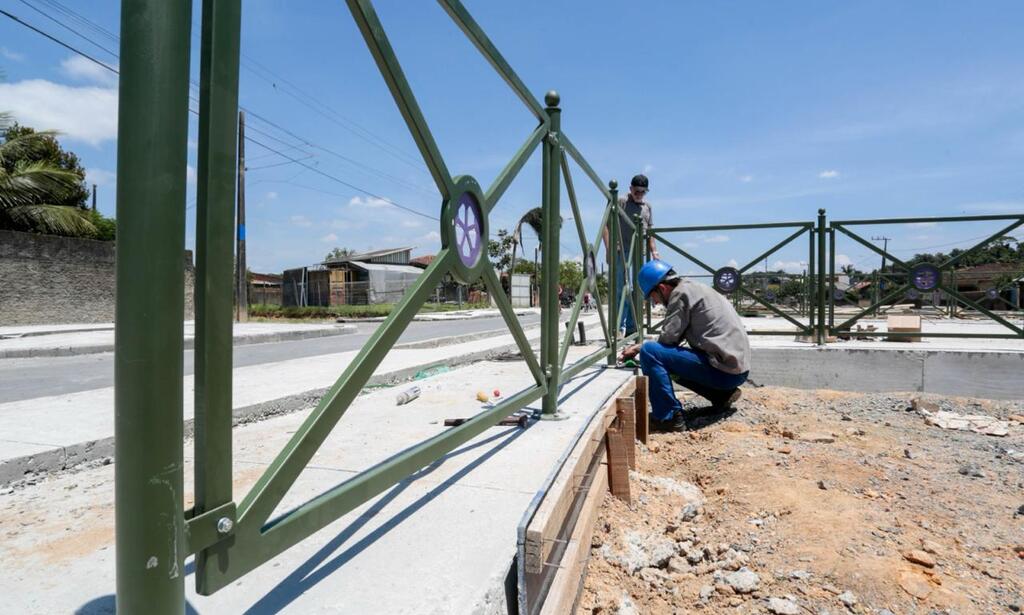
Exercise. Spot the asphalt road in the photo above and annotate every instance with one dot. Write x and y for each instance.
(45, 376)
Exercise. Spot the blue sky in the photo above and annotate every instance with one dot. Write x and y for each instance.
(738, 112)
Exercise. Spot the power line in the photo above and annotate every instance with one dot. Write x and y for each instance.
(345, 183)
(252, 65)
(66, 27)
(59, 42)
(297, 161)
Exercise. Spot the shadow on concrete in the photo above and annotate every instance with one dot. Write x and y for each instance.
(107, 605)
(311, 572)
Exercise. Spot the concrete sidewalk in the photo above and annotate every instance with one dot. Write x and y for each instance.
(47, 434)
(441, 541)
(67, 340)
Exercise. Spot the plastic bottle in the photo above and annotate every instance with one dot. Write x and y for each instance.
(407, 396)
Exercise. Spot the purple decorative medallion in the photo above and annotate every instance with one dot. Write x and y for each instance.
(468, 232)
(726, 280)
(925, 277)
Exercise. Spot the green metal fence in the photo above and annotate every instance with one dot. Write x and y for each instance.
(154, 534)
(729, 280)
(911, 282)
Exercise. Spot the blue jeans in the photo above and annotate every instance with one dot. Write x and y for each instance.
(626, 320)
(690, 368)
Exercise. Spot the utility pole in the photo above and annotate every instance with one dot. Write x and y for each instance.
(881, 272)
(241, 283)
(94, 197)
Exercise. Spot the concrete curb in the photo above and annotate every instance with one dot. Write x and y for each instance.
(241, 340)
(442, 316)
(101, 451)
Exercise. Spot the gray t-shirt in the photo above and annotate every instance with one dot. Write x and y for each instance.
(627, 209)
(707, 321)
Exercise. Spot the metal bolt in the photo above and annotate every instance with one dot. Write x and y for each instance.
(225, 525)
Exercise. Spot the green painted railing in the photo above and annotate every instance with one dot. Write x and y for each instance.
(729, 280)
(911, 282)
(229, 539)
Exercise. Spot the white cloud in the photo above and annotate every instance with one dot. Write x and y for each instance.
(829, 174)
(746, 179)
(732, 263)
(86, 114)
(789, 266)
(299, 220)
(11, 55)
(716, 239)
(843, 260)
(922, 224)
(690, 244)
(329, 237)
(270, 196)
(432, 236)
(78, 68)
(100, 177)
(411, 224)
(190, 174)
(648, 168)
(367, 202)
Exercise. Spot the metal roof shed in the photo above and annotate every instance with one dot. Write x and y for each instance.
(386, 283)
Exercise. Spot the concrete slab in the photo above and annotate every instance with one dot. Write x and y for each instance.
(440, 542)
(86, 419)
(67, 340)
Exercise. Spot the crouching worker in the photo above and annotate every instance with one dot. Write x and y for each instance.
(717, 360)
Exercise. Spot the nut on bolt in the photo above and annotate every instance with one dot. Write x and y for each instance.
(225, 525)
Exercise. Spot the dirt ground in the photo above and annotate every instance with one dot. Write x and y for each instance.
(818, 502)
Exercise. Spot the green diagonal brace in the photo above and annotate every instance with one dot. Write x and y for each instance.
(962, 299)
(266, 494)
(377, 41)
(512, 169)
(685, 254)
(509, 314)
(774, 249)
(479, 38)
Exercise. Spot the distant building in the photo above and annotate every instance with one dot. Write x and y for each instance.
(380, 276)
(264, 288)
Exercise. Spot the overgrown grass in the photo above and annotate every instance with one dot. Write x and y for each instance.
(347, 311)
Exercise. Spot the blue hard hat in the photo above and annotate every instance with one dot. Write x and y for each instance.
(652, 274)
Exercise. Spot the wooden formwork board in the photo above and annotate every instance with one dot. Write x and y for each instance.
(552, 512)
(565, 587)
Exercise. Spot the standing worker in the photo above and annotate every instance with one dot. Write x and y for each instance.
(717, 360)
(634, 203)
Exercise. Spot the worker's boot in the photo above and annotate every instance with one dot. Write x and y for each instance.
(722, 401)
(675, 423)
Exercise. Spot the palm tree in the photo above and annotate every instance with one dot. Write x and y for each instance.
(28, 189)
(534, 219)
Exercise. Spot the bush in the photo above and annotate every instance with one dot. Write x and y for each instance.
(345, 311)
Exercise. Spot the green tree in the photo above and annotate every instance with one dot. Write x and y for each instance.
(338, 254)
(570, 275)
(47, 149)
(36, 192)
(500, 250)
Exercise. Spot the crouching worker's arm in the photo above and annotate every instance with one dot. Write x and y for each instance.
(629, 352)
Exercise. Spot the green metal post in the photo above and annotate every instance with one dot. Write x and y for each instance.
(151, 159)
(215, 226)
(647, 304)
(638, 262)
(551, 229)
(811, 300)
(822, 337)
(831, 278)
(612, 249)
